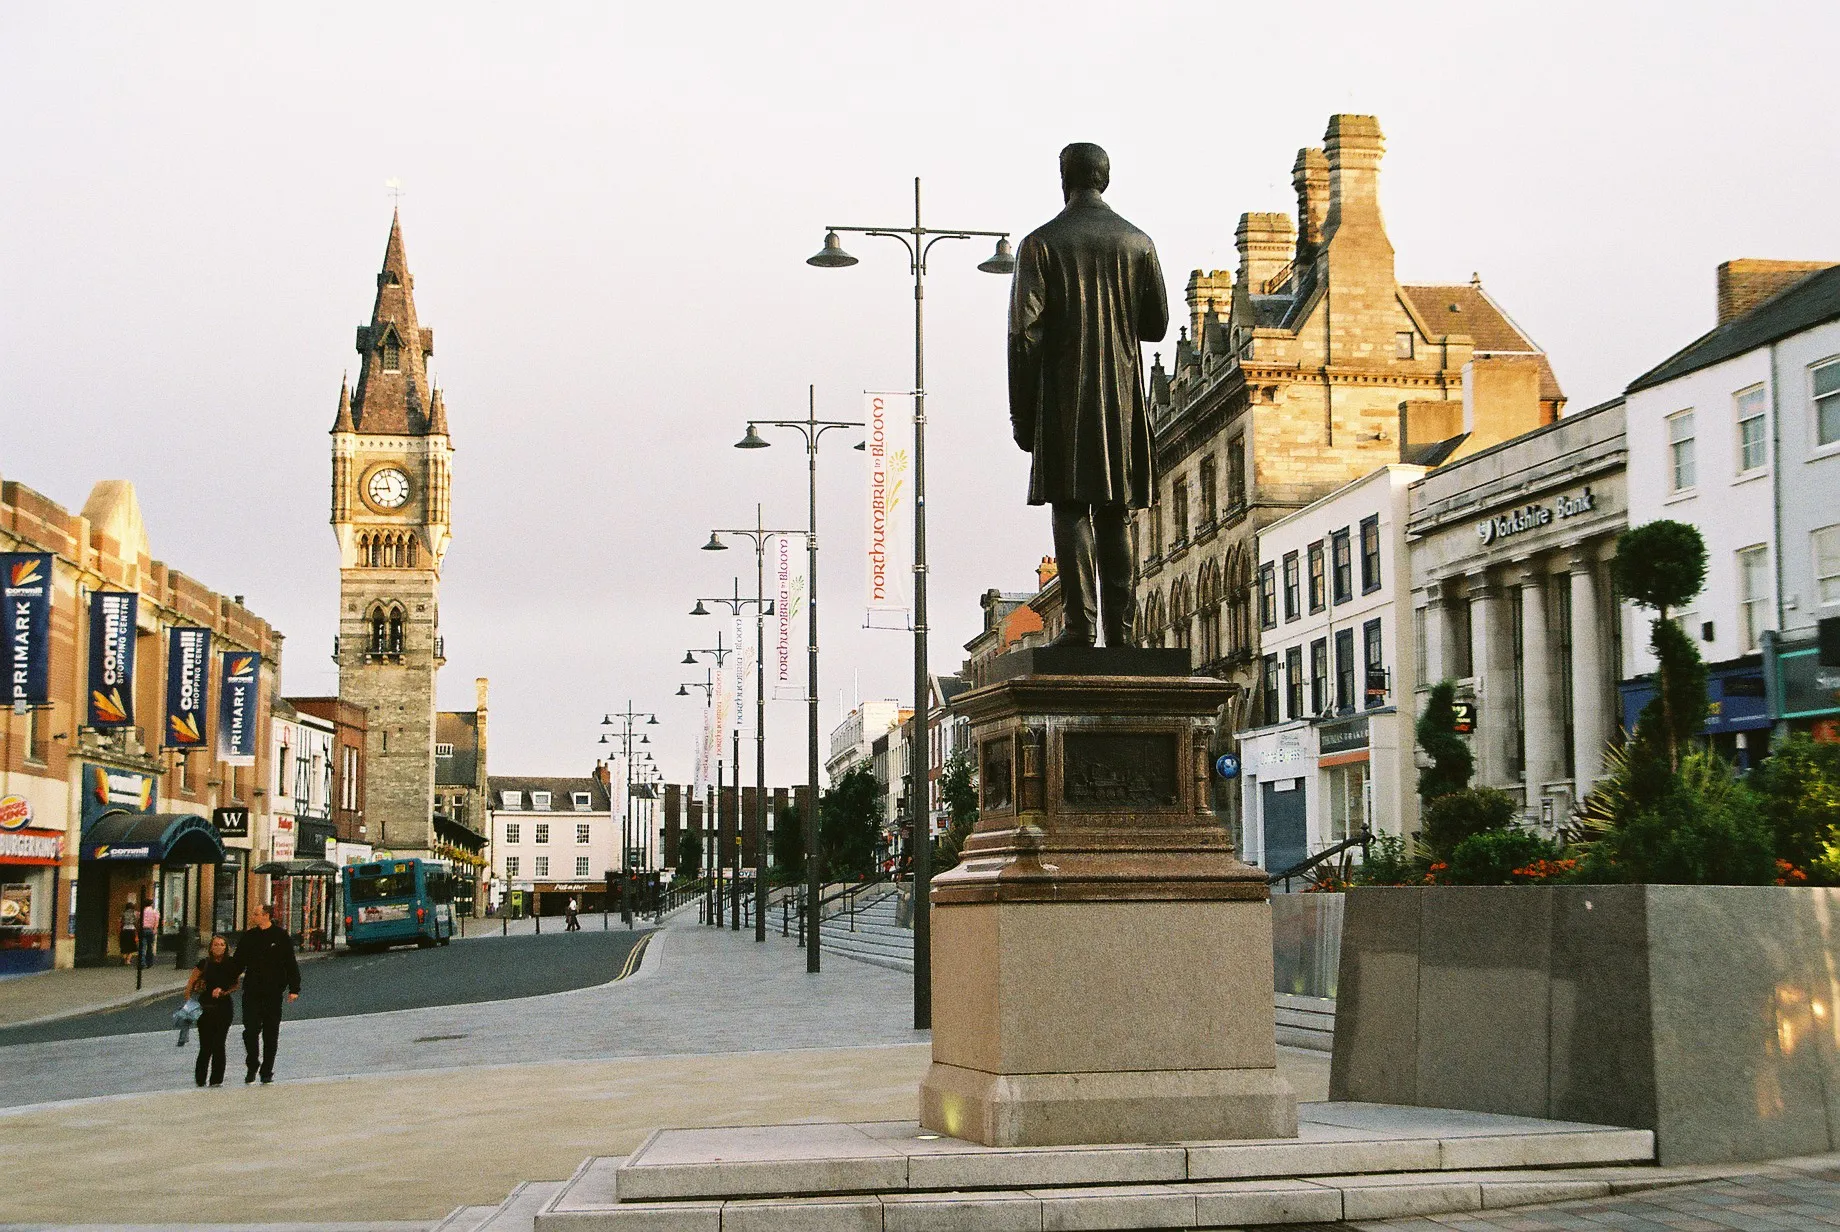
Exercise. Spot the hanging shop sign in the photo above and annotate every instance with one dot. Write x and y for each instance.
(231, 822)
(1343, 737)
(236, 708)
(25, 593)
(1463, 717)
(107, 790)
(112, 616)
(44, 847)
(1532, 517)
(188, 677)
(15, 812)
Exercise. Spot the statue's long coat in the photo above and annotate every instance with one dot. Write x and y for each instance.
(1088, 291)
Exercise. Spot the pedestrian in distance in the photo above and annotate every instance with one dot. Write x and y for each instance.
(150, 932)
(213, 981)
(574, 923)
(271, 976)
(130, 934)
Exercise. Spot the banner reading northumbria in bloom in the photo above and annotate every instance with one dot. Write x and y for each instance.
(236, 708)
(786, 556)
(188, 677)
(889, 560)
(112, 615)
(25, 591)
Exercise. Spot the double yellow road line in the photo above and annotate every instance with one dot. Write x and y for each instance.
(633, 956)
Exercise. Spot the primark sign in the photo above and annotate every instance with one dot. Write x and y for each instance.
(1534, 516)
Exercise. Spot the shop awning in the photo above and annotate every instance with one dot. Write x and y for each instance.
(152, 838)
(297, 868)
(458, 834)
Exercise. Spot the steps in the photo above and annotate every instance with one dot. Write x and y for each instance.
(1350, 1161)
(517, 1213)
(873, 936)
(1305, 1022)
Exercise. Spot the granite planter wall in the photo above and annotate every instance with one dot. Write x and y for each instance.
(1705, 1013)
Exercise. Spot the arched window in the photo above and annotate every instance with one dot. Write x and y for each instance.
(396, 631)
(379, 633)
(412, 551)
(392, 352)
(376, 551)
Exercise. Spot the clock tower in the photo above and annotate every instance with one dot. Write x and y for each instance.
(391, 461)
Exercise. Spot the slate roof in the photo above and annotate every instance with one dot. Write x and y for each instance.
(562, 791)
(459, 728)
(1465, 308)
(1802, 305)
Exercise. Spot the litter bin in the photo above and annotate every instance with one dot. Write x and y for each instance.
(186, 951)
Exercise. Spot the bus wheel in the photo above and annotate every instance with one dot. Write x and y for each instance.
(424, 943)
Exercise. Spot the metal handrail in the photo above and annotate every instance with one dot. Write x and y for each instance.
(1361, 840)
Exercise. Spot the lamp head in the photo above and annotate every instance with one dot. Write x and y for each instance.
(753, 440)
(698, 610)
(689, 658)
(607, 722)
(1002, 261)
(683, 690)
(652, 722)
(603, 738)
(715, 543)
(832, 255)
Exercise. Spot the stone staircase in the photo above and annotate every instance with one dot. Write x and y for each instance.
(871, 934)
(517, 1213)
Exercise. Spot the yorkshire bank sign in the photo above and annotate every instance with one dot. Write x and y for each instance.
(888, 562)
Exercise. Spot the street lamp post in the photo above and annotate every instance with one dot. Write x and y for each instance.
(759, 534)
(628, 719)
(811, 428)
(708, 686)
(919, 240)
(721, 653)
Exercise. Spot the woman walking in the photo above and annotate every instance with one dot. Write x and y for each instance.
(212, 982)
(130, 933)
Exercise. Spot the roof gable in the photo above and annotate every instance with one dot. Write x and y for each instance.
(1812, 301)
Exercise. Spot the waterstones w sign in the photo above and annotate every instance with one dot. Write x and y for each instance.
(25, 591)
(889, 561)
(188, 674)
(112, 616)
(236, 708)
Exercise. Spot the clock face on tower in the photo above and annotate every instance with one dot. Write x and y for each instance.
(387, 488)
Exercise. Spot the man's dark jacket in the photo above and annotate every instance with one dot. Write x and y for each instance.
(265, 956)
(1088, 291)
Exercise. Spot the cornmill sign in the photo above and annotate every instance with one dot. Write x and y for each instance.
(1534, 516)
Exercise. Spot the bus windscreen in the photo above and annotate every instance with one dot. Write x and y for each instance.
(381, 888)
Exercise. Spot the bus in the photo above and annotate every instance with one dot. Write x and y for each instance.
(396, 902)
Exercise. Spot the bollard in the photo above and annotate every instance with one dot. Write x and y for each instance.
(504, 925)
(538, 917)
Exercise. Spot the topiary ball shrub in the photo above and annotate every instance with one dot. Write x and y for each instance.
(1493, 857)
(1451, 819)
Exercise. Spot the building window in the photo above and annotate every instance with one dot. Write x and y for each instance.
(1209, 509)
(1319, 582)
(1268, 596)
(281, 770)
(1403, 344)
(1180, 501)
(1236, 473)
(1753, 595)
(392, 353)
(1827, 404)
(539, 799)
(581, 834)
(581, 866)
(511, 799)
(1293, 683)
(1271, 688)
(542, 832)
(1342, 559)
(1753, 444)
(1319, 675)
(1370, 554)
(1826, 566)
(443, 750)
(583, 801)
(542, 866)
(1683, 474)
(1344, 671)
(1373, 657)
(511, 866)
(35, 753)
(348, 788)
(1293, 587)
(1156, 531)
(1347, 789)
(512, 830)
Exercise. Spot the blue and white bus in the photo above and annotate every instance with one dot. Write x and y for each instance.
(397, 902)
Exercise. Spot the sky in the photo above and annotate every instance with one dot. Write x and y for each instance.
(607, 209)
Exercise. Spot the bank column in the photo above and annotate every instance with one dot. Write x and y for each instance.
(1436, 611)
(1590, 732)
(1494, 675)
(1538, 719)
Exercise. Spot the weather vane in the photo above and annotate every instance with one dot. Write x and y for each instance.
(395, 189)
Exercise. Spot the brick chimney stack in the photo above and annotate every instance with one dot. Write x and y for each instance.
(1210, 294)
(1046, 572)
(1266, 243)
(1745, 283)
(1356, 258)
(1310, 177)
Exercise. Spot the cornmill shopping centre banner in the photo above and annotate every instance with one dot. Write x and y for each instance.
(25, 591)
(188, 677)
(112, 616)
(786, 556)
(889, 560)
(236, 708)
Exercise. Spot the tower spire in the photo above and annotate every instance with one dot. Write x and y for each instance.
(343, 422)
(392, 393)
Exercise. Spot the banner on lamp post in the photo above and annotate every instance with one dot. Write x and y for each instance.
(700, 762)
(188, 679)
(112, 617)
(724, 705)
(25, 589)
(236, 708)
(889, 559)
(744, 668)
(787, 555)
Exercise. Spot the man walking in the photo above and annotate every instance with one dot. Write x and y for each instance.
(150, 932)
(265, 959)
(574, 924)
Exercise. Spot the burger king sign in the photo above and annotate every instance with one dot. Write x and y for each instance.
(15, 812)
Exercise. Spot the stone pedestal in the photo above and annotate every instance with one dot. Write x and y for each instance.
(1101, 958)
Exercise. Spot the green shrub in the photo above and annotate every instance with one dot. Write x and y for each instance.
(1451, 762)
(1387, 864)
(1700, 827)
(1451, 818)
(1799, 790)
(1492, 856)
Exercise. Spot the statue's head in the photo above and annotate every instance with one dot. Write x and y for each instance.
(1084, 167)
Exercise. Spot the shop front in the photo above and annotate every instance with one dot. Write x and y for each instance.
(130, 858)
(1738, 718)
(30, 857)
(1807, 687)
(305, 893)
(230, 885)
(1309, 785)
(552, 897)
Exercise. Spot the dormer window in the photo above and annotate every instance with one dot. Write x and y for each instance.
(539, 799)
(511, 800)
(583, 801)
(392, 353)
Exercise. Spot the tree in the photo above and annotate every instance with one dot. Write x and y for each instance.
(690, 854)
(1799, 789)
(850, 817)
(958, 789)
(1460, 815)
(1451, 762)
(1661, 565)
(789, 843)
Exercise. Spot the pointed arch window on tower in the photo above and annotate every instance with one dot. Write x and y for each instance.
(379, 633)
(412, 552)
(396, 631)
(392, 352)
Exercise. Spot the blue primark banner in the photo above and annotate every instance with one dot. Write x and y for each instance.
(188, 678)
(25, 593)
(112, 615)
(236, 708)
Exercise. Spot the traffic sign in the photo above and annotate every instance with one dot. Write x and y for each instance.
(1227, 766)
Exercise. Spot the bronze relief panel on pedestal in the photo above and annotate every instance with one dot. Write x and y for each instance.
(996, 781)
(1120, 770)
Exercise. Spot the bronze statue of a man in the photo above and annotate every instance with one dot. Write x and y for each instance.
(1088, 292)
